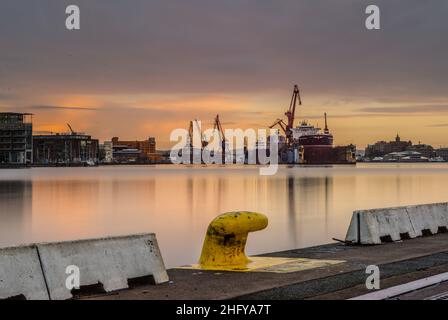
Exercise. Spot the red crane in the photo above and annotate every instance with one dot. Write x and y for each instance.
(290, 114)
(280, 123)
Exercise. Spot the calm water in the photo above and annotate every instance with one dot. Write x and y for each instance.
(305, 206)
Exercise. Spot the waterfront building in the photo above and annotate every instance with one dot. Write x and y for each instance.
(106, 152)
(16, 140)
(442, 153)
(65, 149)
(405, 156)
(425, 150)
(147, 149)
(123, 154)
(382, 148)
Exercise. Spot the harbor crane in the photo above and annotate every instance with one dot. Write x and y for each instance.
(290, 114)
(218, 126)
(204, 143)
(280, 123)
(71, 129)
(190, 133)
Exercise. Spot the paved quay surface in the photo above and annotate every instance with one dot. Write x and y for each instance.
(399, 262)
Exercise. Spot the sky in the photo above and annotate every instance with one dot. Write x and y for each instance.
(142, 68)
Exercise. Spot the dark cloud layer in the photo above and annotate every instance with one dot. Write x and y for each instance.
(160, 63)
(155, 46)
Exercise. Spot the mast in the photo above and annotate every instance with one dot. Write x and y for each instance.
(326, 131)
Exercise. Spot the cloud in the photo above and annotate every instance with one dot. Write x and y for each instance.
(439, 125)
(250, 46)
(48, 107)
(407, 109)
(6, 96)
(189, 57)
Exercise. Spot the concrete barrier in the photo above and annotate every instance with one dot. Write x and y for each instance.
(428, 217)
(21, 274)
(376, 226)
(110, 262)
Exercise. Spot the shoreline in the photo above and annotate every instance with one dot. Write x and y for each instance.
(214, 165)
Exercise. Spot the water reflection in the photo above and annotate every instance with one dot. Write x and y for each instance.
(15, 211)
(292, 209)
(305, 206)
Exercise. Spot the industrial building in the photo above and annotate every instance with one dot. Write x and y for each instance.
(135, 151)
(68, 149)
(16, 141)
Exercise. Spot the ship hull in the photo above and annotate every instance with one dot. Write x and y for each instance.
(318, 149)
(317, 140)
(327, 155)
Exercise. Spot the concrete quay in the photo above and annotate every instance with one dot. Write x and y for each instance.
(399, 262)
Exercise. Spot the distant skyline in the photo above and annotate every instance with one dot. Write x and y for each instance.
(141, 68)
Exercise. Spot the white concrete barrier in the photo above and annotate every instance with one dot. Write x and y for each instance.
(109, 261)
(428, 217)
(21, 274)
(376, 226)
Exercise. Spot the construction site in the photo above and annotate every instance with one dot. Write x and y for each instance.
(65, 149)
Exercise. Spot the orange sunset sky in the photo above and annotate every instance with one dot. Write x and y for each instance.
(144, 68)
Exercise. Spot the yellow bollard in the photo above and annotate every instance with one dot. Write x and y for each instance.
(226, 239)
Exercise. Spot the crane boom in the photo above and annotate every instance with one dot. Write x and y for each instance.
(71, 129)
(190, 133)
(198, 127)
(218, 126)
(291, 113)
(280, 123)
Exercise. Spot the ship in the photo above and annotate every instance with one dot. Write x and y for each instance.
(318, 148)
(307, 144)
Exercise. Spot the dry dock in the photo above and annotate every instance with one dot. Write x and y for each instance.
(399, 263)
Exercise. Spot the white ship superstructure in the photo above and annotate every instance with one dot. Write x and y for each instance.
(304, 129)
